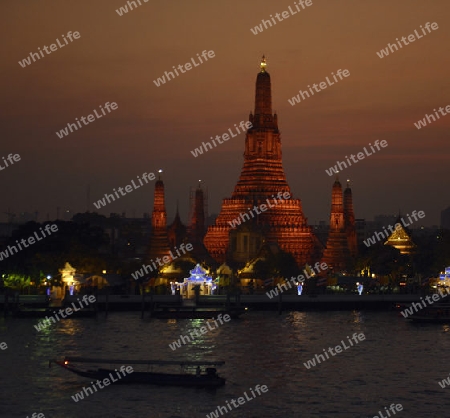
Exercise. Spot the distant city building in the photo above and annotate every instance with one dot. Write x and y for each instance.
(6, 231)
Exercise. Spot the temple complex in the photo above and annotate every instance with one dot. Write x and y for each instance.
(262, 178)
(261, 212)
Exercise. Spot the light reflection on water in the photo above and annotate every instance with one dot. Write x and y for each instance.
(397, 363)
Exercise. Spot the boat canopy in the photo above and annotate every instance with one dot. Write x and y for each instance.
(155, 362)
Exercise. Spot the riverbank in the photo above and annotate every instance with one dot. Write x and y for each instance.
(336, 302)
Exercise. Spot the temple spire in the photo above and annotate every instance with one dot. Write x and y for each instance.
(263, 64)
(159, 241)
(263, 97)
(262, 177)
(337, 253)
(349, 221)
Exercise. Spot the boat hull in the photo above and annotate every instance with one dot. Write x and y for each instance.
(42, 313)
(430, 319)
(161, 379)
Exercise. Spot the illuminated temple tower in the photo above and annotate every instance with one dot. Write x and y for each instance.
(262, 177)
(349, 220)
(159, 240)
(197, 229)
(176, 231)
(337, 253)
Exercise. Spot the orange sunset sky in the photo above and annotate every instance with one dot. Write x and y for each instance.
(117, 58)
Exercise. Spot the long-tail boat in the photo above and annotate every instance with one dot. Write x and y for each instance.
(193, 373)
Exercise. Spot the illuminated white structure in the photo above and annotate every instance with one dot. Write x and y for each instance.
(444, 278)
(360, 288)
(199, 278)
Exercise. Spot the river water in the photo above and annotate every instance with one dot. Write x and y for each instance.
(397, 363)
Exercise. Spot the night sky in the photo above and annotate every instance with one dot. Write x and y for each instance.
(117, 58)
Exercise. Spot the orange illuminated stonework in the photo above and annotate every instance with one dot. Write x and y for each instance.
(349, 220)
(262, 177)
(400, 239)
(159, 240)
(341, 248)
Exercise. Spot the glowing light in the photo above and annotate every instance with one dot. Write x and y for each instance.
(263, 64)
(360, 288)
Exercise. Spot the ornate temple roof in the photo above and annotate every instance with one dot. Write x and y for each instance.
(198, 274)
(401, 240)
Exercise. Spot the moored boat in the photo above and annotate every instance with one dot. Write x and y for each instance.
(438, 313)
(194, 373)
(43, 313)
